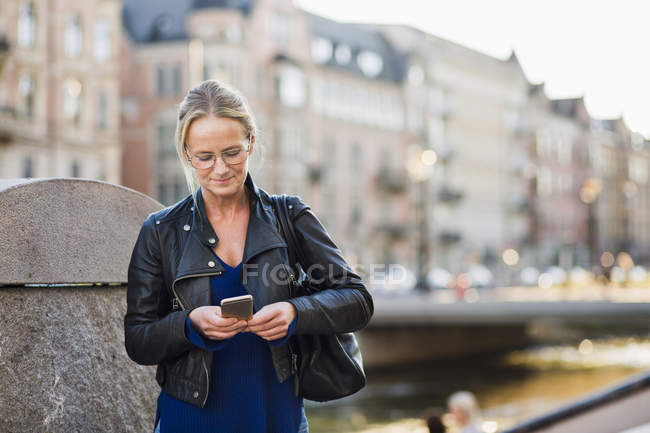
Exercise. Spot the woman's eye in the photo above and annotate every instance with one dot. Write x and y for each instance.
(204, 158)
(232, 153)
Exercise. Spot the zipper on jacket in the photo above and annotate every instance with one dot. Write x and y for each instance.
(293, 283)
(207, 375)
(294, 370)
(183, 307)
(178, 298)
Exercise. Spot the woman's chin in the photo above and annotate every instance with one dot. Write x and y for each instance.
(223, 189)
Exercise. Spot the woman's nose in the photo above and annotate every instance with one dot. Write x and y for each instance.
(220, 166)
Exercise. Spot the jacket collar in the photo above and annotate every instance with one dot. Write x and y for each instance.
(261, 234)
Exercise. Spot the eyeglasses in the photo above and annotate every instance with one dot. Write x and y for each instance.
(234, 156)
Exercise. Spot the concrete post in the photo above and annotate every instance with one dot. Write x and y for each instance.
(65, 248)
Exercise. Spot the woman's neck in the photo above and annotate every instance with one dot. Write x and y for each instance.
(222, 208)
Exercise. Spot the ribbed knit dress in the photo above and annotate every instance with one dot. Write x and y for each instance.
(245, 395)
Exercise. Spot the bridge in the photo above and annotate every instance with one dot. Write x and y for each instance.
(420, 327)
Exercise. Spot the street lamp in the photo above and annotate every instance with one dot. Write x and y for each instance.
(419, 165)
(589, 192)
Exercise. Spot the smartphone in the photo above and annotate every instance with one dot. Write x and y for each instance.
(240, 307)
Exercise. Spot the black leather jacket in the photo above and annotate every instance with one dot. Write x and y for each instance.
(169, 274)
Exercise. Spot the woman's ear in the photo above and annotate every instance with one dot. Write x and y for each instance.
(251, 144)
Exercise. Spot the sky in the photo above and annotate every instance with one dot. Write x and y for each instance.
(596, 49)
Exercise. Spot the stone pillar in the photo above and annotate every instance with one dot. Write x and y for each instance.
(66, 245)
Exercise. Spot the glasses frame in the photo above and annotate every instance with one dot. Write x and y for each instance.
(246, 145)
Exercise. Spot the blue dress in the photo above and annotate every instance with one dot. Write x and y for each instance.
(245, 395)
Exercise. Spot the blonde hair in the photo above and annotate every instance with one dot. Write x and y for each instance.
(465, 402)
(210, 98)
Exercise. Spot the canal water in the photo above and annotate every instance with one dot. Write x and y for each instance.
(510, 388)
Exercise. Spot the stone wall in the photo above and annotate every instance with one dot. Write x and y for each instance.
(63, 366)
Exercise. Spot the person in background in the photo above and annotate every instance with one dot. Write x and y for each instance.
(465, 410)
(433, 418)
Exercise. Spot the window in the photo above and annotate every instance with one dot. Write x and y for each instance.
(165, 141)
(291, 86)
(343, 54)
(416, 75)
(564, 150)
(102, 110)
(26, 25)
(28, 167)
(356, 176)
(544, 182)
(176, 80)
(234, 34)
(73, 37)
(74, 169)
(321, 50)
(280, 28)
(102, 40)
(638, 169)
(370, 63)
(72, 101)
(160, 80)
(27, 88)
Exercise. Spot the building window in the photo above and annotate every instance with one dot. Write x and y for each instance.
(27, 89)
(73, 37)
(356, 188)
(280, 28)
(28, 167)
(176, 80)
(343, 54)
(321, 50)
(160, 80)
(26, 25)
(102, 40)
(74, 169)
(370, 63)
(102, 110)
(72, 101)
(544, 182)
(165, 142)
(291, 86)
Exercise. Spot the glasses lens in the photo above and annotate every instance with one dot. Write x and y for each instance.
(235, 156)
(202, 162)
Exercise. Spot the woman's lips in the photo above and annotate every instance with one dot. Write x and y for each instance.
(222, 180)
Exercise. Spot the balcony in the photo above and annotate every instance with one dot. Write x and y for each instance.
(392, 229)
(4, 50)
(450, 237)
(449, 195)
(314, 173)
(520, 205)
(391, 180)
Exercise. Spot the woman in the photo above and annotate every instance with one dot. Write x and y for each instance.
(223, 374)
(465, 410)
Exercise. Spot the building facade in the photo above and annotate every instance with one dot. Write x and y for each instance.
(341, 110)
(59, 94)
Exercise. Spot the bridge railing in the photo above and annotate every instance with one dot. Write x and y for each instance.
(621, 407)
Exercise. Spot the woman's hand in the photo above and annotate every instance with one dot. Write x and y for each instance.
(207, 321)
(272, 321)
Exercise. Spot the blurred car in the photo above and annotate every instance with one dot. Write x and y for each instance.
(480, 275)
(558, 275)
(638, 275)
(580, 276)
(395, 280)
(529, 276)
(439, 278)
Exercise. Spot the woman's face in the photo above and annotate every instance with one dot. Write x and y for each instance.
(214, 135)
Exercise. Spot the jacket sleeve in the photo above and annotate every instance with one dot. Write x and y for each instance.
(340, 303)
(151, 334)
